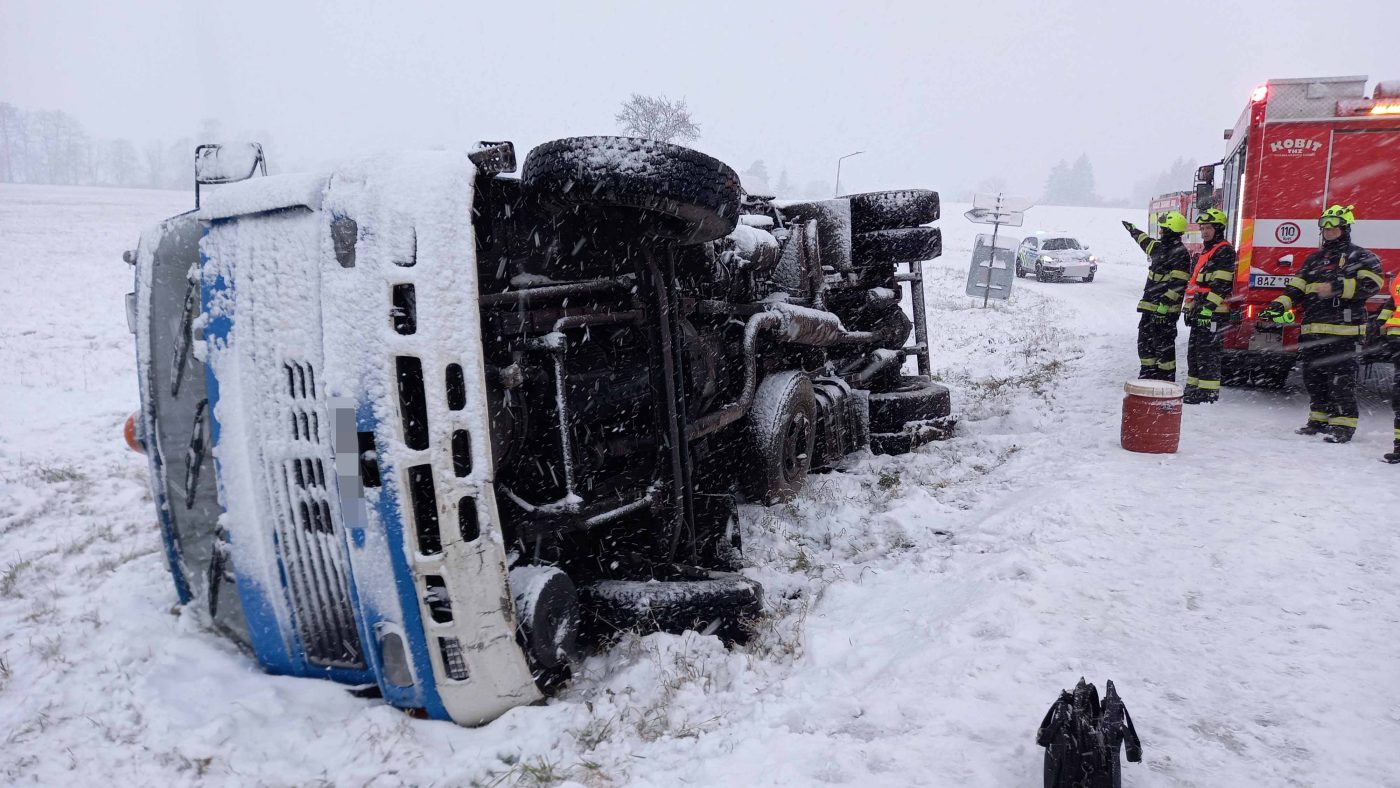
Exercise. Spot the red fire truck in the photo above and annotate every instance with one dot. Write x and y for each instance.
(1299, 146)
(1176, 201)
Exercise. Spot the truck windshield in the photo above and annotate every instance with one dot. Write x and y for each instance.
(1058, 244)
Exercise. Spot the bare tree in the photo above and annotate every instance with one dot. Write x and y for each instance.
(657, 118)
(155, 164)
(121, 162)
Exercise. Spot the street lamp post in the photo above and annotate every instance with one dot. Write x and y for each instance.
(838, 170)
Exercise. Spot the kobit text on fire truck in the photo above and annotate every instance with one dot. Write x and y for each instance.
(1299, 146)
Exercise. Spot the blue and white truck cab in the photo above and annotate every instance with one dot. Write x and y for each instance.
(421, 427)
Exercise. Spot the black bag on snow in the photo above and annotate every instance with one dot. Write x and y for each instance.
(1081, 737)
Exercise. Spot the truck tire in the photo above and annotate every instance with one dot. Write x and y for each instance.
(782, 430)
(690, 197)
(911, 414)
(901, 245)
(721, 603)
(887, 210)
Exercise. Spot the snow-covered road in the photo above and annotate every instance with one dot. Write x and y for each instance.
(1242, 594)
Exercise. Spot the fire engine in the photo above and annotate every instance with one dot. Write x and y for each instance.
(1299, 146)
(1176, 201)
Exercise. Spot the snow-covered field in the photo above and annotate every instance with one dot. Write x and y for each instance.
(1242, 594)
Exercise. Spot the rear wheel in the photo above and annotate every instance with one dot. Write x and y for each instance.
(911, 414)
(689, 197)
(891, 209)
(901, 245)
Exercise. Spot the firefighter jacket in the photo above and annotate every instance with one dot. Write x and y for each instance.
(1213, 279)
(1168, 270)
(1389, 317)
(1354, 274)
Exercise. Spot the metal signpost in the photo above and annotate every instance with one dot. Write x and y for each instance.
(996, 210)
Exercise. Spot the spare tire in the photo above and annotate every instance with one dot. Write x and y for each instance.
(690, 197)
(888, 210)
(901, 245)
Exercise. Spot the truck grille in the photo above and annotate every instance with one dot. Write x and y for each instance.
(309, 540)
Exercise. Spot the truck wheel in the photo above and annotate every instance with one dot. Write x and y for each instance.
(902, 245)
(720, 603)
(914, 412)
(782, 428)
(690, 197)
(891, 209)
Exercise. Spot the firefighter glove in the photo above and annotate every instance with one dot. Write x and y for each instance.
(1131, 228)
(1204, 317)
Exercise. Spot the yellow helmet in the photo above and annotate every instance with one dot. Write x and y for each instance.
(1212, 216)
(1337, 216)
(1172, 220)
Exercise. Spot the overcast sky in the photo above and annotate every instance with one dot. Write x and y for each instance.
(938, 95)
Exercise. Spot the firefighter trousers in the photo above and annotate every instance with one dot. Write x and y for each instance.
(1156, 343)
(1329, 372)
(1395, 383)
(1203, 357)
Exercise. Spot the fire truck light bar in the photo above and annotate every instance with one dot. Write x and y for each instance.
(1260, 93)
(1368, 107)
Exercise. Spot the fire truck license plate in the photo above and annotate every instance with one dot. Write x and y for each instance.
(1267, 280)
(1266, 340)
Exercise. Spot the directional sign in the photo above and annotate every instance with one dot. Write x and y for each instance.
(992, 269)
(1001, 202)
(989, 216)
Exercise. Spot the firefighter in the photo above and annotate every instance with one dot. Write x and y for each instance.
(1332, 289)
(1390, 335)
(1167, 274)
(1209, 289)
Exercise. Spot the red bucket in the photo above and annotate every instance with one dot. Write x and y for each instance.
(1151, 416)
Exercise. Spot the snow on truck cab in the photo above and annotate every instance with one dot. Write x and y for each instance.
(1299, 146)
(421, 427)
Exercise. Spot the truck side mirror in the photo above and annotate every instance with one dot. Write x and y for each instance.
(493, 158)
(214, 164)
(1205, 186)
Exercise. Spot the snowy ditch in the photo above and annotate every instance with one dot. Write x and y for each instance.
(925, 609)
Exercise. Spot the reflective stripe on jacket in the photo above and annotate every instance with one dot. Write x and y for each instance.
(1168, 271)
(1352, 272)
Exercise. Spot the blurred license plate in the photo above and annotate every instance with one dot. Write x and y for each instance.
(1266, 340)
(1267, 280)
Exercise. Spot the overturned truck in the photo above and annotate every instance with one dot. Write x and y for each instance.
(424, 428)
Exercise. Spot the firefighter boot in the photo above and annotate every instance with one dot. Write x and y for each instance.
(1393, 457)
(1312, 428)
(1336, 433)
(1199, 396)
